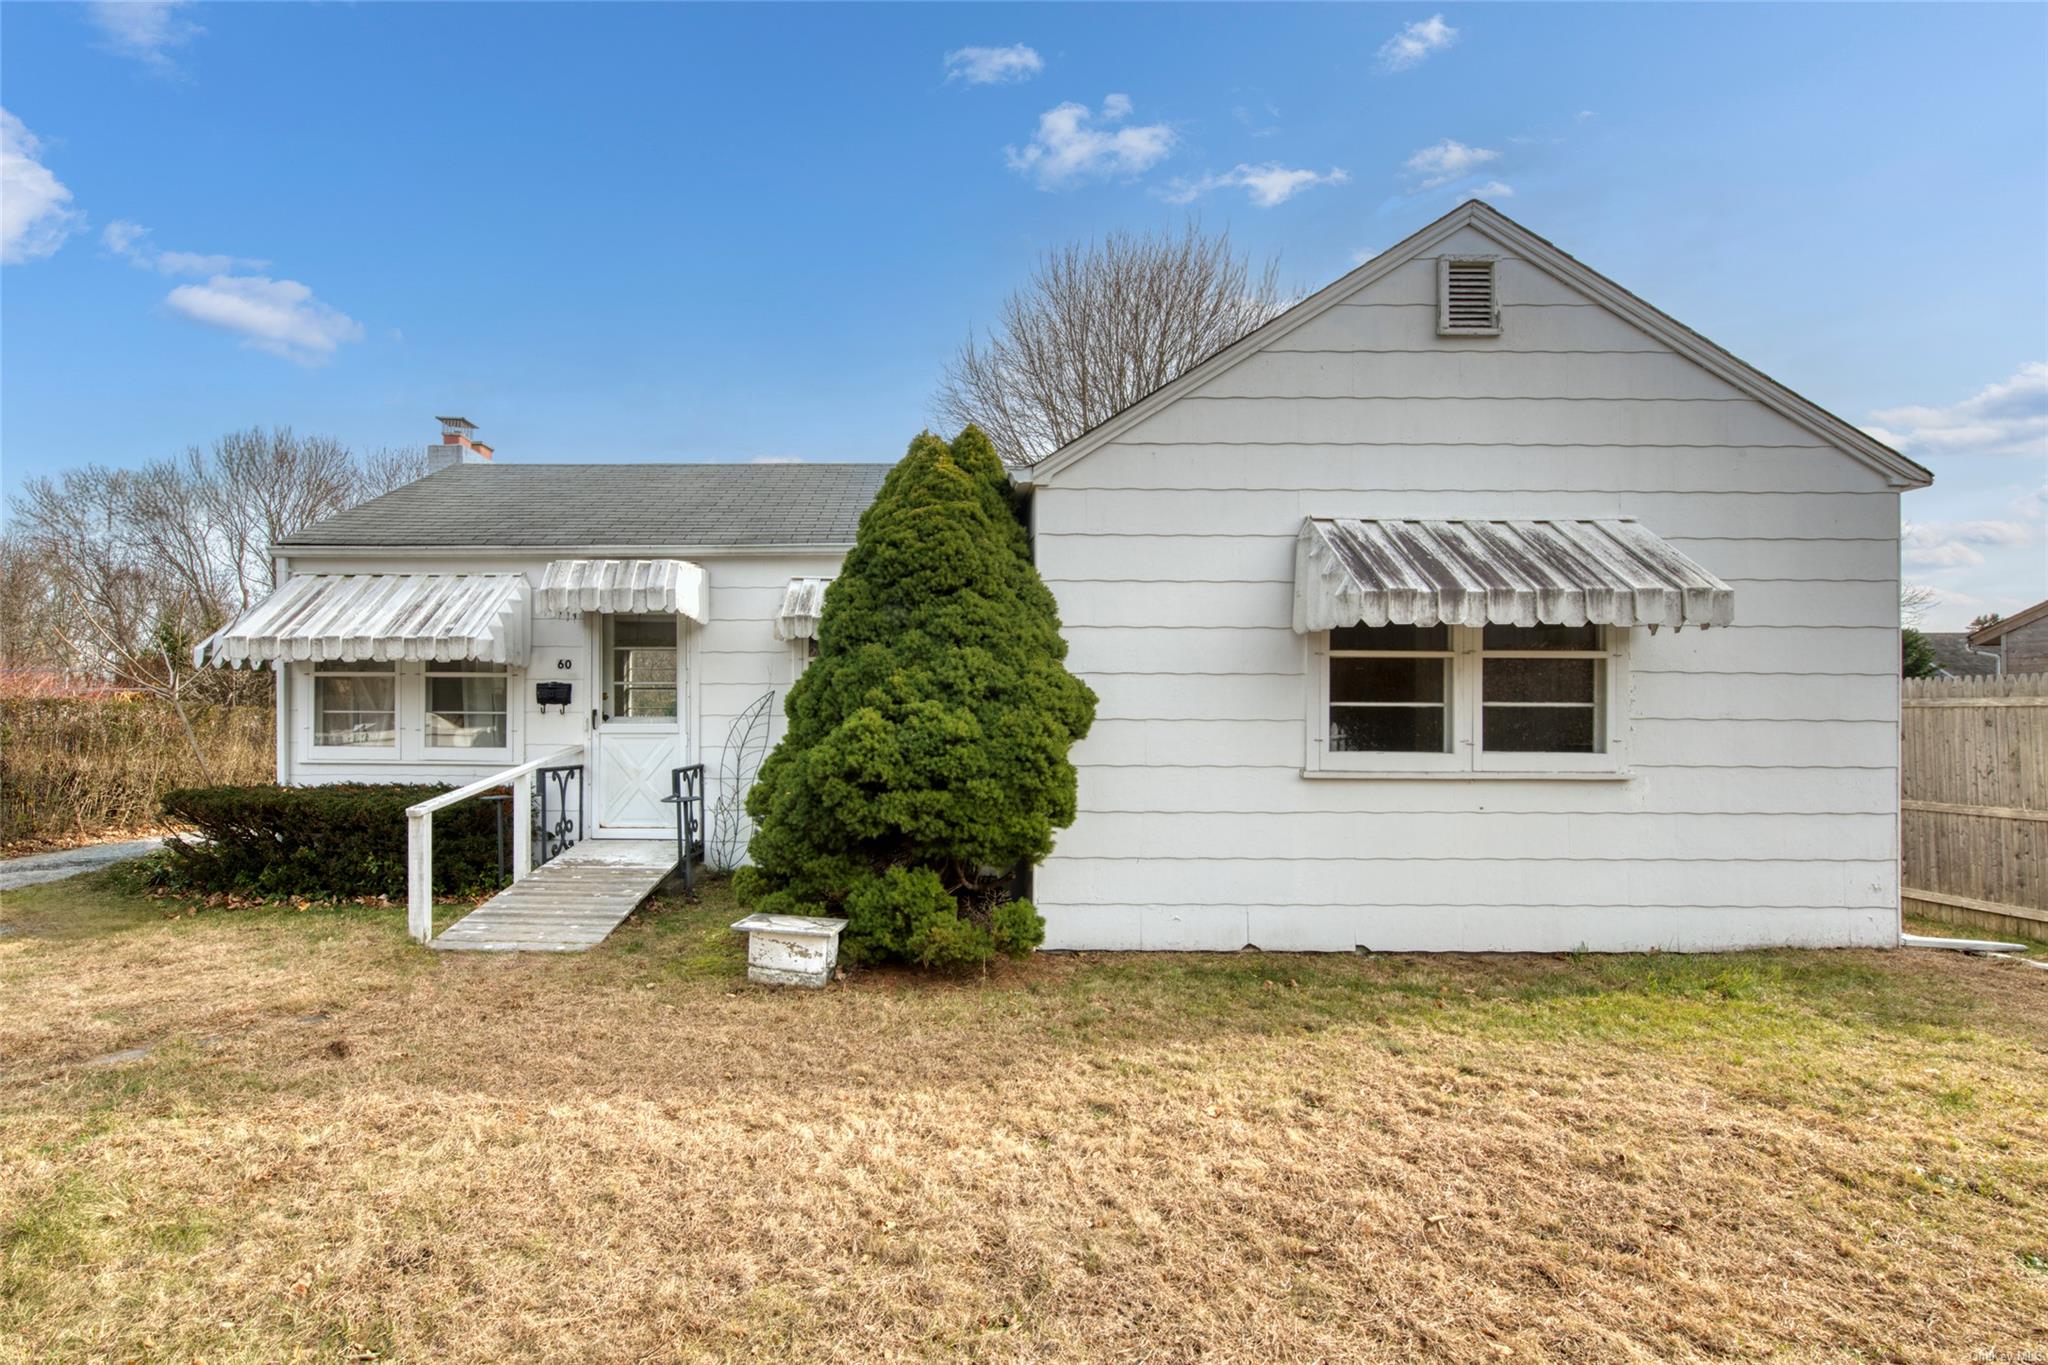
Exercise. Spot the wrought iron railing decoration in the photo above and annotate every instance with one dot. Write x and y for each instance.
(557, 822)
(686, 794)
(498, 801)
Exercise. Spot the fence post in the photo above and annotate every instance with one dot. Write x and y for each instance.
(522, 826)
(419, 875)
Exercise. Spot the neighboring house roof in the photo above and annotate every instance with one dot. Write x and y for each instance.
(1997, 630)
(588, 506)
(1954, 657)
(1899, 470)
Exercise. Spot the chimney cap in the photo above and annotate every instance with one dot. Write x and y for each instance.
(456, 423)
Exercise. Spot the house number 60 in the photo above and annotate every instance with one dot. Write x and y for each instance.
(565, 664)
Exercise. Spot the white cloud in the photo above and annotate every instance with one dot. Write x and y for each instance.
(143, 29)
(33, 218)
(1413, 44)
(1494, 189)
(1959, 544)
(1071, 144)
(993, 65)
(1265, 185)
(1445, 161)
(2008, 418)
(278, 316)
(130, 242)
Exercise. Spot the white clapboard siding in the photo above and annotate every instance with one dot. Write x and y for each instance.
(1466, 881)
(1171, 790)
(1780, 697)
(1236, 742)
(1368, 464)
(1471, 421)
(1326, 836)
(1268, 603)
(1760, 801)
(1173, 512)
(1472, 929)
(1452, 375)
(1655, 696)
(1412, 326)
(1270, 557)
(1277, 649)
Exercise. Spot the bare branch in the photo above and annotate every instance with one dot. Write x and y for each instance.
(1097, 327)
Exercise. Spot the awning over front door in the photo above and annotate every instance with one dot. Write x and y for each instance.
(354, 617)
(1599, 571)
(651, 586)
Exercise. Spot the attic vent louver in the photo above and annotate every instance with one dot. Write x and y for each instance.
(1467, 303)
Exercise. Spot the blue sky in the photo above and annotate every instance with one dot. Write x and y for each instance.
(623, 232)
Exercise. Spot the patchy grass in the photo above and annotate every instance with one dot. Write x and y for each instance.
(338, 1146)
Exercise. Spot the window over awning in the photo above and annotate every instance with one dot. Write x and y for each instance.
(654, 586)
(353, 617)
(802, 604)
(1605, 571)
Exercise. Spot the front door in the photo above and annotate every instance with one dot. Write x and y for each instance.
(639, 739)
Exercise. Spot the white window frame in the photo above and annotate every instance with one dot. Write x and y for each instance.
(412, 747)
(802, 654)
(1379, 761)
(610, 690)
(311, 673)
(473, 668)
(1466, 758)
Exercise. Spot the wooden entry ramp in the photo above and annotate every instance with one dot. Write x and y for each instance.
(568, 905)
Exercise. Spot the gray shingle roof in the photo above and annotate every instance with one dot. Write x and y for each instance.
(572, 506)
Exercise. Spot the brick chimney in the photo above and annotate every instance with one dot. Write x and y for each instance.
(458, 445)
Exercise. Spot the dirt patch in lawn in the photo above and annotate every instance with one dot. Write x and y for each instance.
(338, 1145)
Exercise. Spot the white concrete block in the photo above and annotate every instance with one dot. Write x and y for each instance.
(791, 950)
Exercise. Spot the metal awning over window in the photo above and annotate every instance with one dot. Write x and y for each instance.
(354, 617)
(654, 586)
(802, 605)
(1607, 571)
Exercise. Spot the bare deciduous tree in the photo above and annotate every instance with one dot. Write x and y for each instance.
(1096, 328)
(118, 573)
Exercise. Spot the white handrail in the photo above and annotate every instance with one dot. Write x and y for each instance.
(419, 834)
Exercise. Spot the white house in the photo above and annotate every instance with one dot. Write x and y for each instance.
(427, 635)
(1471, 604)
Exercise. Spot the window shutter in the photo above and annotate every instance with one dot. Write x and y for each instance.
(1467, 303)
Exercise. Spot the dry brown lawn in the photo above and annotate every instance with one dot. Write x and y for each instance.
(340, 1147)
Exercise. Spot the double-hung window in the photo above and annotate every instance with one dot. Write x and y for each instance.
(355, 705)
(1390, 690)
(1451, 700)
(466, 705)
(1541, 690)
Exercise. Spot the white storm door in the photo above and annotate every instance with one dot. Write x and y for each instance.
(639, 740)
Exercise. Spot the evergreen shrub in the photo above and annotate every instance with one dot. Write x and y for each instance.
(342, 841)
(925, 760)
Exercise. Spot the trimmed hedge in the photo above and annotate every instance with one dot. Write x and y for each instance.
(346, 840)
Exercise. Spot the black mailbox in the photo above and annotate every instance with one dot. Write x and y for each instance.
(552, 694)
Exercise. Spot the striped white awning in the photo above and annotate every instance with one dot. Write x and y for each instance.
(354, 617)
(1608, 571)
(802, 604)
(573, 586)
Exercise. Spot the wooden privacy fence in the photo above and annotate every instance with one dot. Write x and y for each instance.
(1974, 814)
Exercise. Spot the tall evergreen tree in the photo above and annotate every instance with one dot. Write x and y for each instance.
(926, 754)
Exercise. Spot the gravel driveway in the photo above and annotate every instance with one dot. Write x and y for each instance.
(69, 862)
